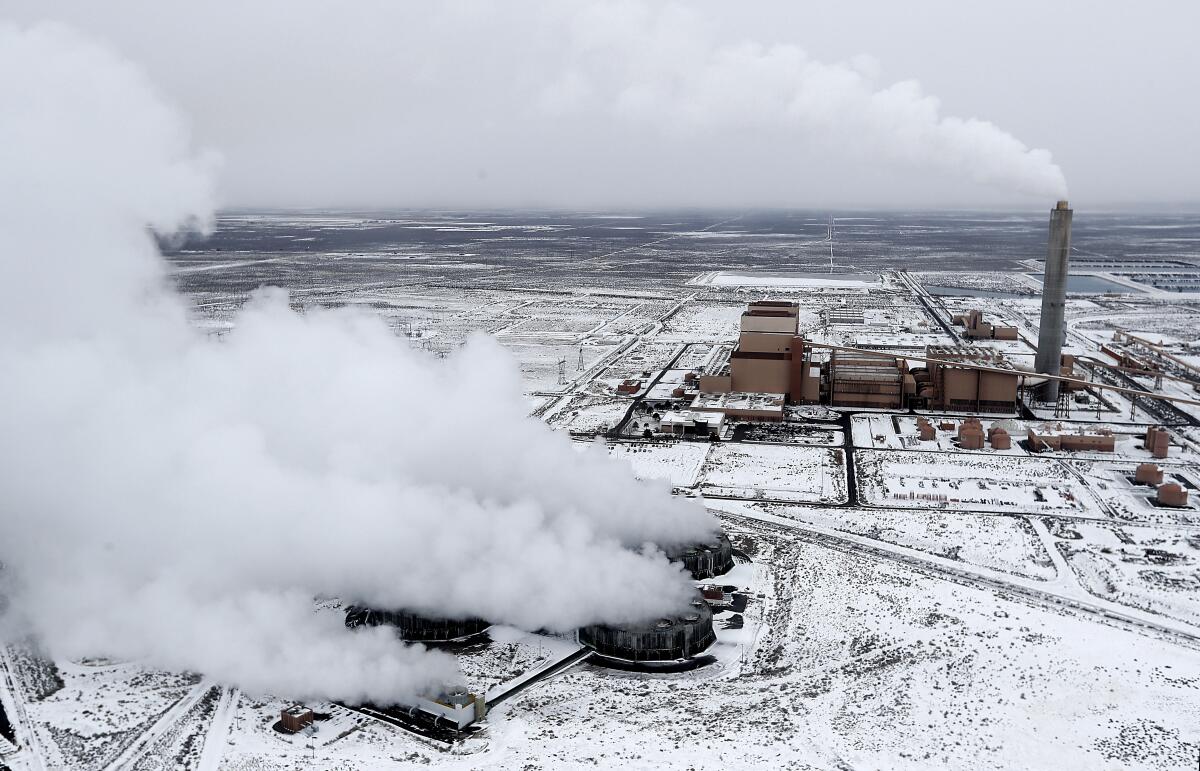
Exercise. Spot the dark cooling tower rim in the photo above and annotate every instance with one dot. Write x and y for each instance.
(698, 610)
(720, 542)
(379, 616)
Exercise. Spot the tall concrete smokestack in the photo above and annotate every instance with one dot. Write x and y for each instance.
(1054, 298)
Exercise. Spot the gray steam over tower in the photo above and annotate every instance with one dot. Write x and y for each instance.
(1054, 298)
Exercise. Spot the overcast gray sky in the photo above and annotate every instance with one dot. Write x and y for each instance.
(562, 103)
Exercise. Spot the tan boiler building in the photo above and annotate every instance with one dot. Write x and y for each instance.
(770, 357)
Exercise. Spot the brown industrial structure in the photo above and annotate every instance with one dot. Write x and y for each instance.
(295, 718)
(977, 328)
(858, 380)
(1148, 474)
(629, 387)
(772, 364)
(770, 357)
(1171, 494)
(1158, 441)
(1053, 437)
(953, 380)
(970, 434)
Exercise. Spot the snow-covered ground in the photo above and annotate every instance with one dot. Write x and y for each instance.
(1002, 484)
(776, 472)
(677, 462)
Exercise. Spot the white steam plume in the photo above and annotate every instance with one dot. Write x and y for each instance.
(554, 102)
(664, 66)
(180, 499)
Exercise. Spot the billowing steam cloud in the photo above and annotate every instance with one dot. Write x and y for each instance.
(181, 499)
(664, 67)
(553, 102)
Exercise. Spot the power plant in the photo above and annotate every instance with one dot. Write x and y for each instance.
(1052, 330)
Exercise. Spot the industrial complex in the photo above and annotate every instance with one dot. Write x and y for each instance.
(943, 494)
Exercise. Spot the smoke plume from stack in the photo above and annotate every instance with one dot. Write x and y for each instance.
(579, 103)
(179, 499)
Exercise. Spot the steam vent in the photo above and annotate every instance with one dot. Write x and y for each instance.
(705, 560)
(415, 628)
(671, 638)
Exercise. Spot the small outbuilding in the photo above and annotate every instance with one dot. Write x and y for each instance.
(296, 718)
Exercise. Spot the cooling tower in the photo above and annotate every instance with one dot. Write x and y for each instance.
(677, 637)
(413, 627)
(1054, 298)
(705, 560)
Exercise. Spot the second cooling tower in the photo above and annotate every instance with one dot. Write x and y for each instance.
(1052, 329)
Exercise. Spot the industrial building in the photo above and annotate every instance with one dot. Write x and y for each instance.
(414, 627)
(667, 639)
(770, 357)
(456, 706)
(296, 718)
(1148, 474)
(1157, 441)
(1053, 437)
(743, 406)
(952, 380)
(691, 423)
(861, 380)
(773, 365)
(978, 329)
(1171, 494)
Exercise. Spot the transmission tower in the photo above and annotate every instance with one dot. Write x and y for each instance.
(562, 371)
(579, 365)
(1062, 407)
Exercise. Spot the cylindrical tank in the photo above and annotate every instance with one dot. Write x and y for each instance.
(414, 627)
(705, 560)
(670, 638)
(1054, 298)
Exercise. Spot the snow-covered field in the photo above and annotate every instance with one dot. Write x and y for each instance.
(776, 472)
(1008, 544)
(677, 462)
(1007, 485)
